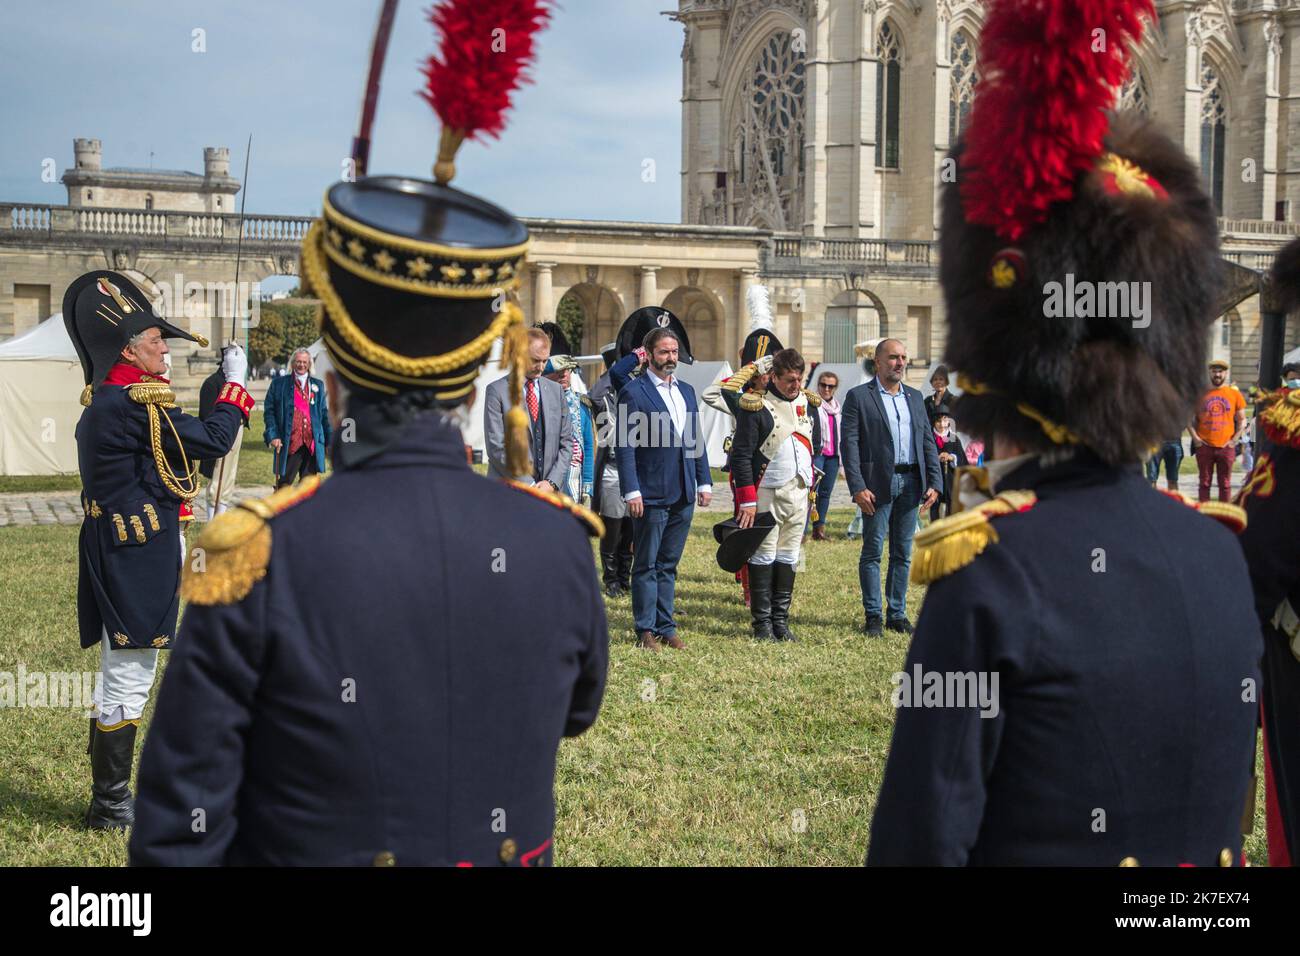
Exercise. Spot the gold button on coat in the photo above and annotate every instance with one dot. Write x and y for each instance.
(508, 850)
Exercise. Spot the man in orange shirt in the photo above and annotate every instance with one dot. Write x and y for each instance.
(1220, 420)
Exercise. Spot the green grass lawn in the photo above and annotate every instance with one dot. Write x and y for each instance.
(727, 753)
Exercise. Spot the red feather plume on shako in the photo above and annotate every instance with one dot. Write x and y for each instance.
(486, 47)
(1049, 71)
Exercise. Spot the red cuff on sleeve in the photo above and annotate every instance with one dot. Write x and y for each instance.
(237, 395)
(746, 495)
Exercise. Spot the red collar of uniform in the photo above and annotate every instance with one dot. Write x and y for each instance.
(123, 374)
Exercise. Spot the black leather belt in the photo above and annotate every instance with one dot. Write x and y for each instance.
(907, 469)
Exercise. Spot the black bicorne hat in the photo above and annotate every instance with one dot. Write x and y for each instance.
(643, 321)
(102, 311)
(758, 343)
(736, 545)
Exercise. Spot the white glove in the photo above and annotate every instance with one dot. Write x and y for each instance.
(234, 364)
(764, 365)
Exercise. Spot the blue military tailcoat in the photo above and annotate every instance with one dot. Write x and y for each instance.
(390, 689)
(1120, 626)
(130, 548)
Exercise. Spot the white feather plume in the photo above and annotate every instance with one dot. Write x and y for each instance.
(759, 300)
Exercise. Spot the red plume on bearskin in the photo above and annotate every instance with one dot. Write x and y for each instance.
(1049, 71)
(486, 46)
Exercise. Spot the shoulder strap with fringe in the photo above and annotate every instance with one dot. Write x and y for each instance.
(951, 543)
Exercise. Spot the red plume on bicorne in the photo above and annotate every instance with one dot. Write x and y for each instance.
(486, 45)
(1049, 71)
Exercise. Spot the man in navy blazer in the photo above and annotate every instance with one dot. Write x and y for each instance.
(663, 470)
(891, 462)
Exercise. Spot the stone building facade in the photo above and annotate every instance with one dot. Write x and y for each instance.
(828, 122)
(91, 186)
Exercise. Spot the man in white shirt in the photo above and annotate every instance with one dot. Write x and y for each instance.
(663, 470)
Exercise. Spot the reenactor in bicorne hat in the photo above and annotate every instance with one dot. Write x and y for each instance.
(772, 472)
(364, 677)
(747, 383)
(1081, 686)
(138, 455)
(1271, 542)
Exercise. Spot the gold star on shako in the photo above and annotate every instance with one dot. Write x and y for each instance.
(384, 260)
(336, 238)
(356, 249)
(453, 272)
(418, 267)
(482, 274)
(506, 271)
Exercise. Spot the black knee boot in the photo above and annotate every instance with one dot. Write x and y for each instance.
(760, 600)
(111, 755)
(625, 555)
(782, 593)
(609, 559)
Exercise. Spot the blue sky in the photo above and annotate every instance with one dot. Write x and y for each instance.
(606, 97)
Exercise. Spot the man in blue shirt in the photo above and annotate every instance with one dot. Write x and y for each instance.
(891, 463)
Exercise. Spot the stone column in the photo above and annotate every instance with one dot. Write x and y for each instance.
(543, 307)
(649, 288)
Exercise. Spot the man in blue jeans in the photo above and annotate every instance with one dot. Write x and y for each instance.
(891, 463)
(663, 469)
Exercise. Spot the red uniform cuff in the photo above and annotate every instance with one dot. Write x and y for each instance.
(746, 495)
(237, 395)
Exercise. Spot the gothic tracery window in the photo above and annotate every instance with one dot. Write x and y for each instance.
(767, 138)
(889, 72)
(961, 54)
(1135, 95)
(1214, 123)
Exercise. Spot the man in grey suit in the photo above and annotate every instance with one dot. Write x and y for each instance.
(892, 465)
(550, 432)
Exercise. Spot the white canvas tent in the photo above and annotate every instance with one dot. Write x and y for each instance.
(714, 425)
(40, 401)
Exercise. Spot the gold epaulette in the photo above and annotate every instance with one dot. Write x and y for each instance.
(813, 399)
(152, 393)
(951, 543)
(234, 550)
(739, 379)
(1233, 516)
(595, 527)
(1281, 420)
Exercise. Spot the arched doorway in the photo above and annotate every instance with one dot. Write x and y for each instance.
(702, 315)
(853, 316)
(590, 314)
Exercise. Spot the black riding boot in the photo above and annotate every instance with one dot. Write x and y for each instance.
(609, 558)
(760, 600)
(625, 555)
(782, 593)
(111, 804)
